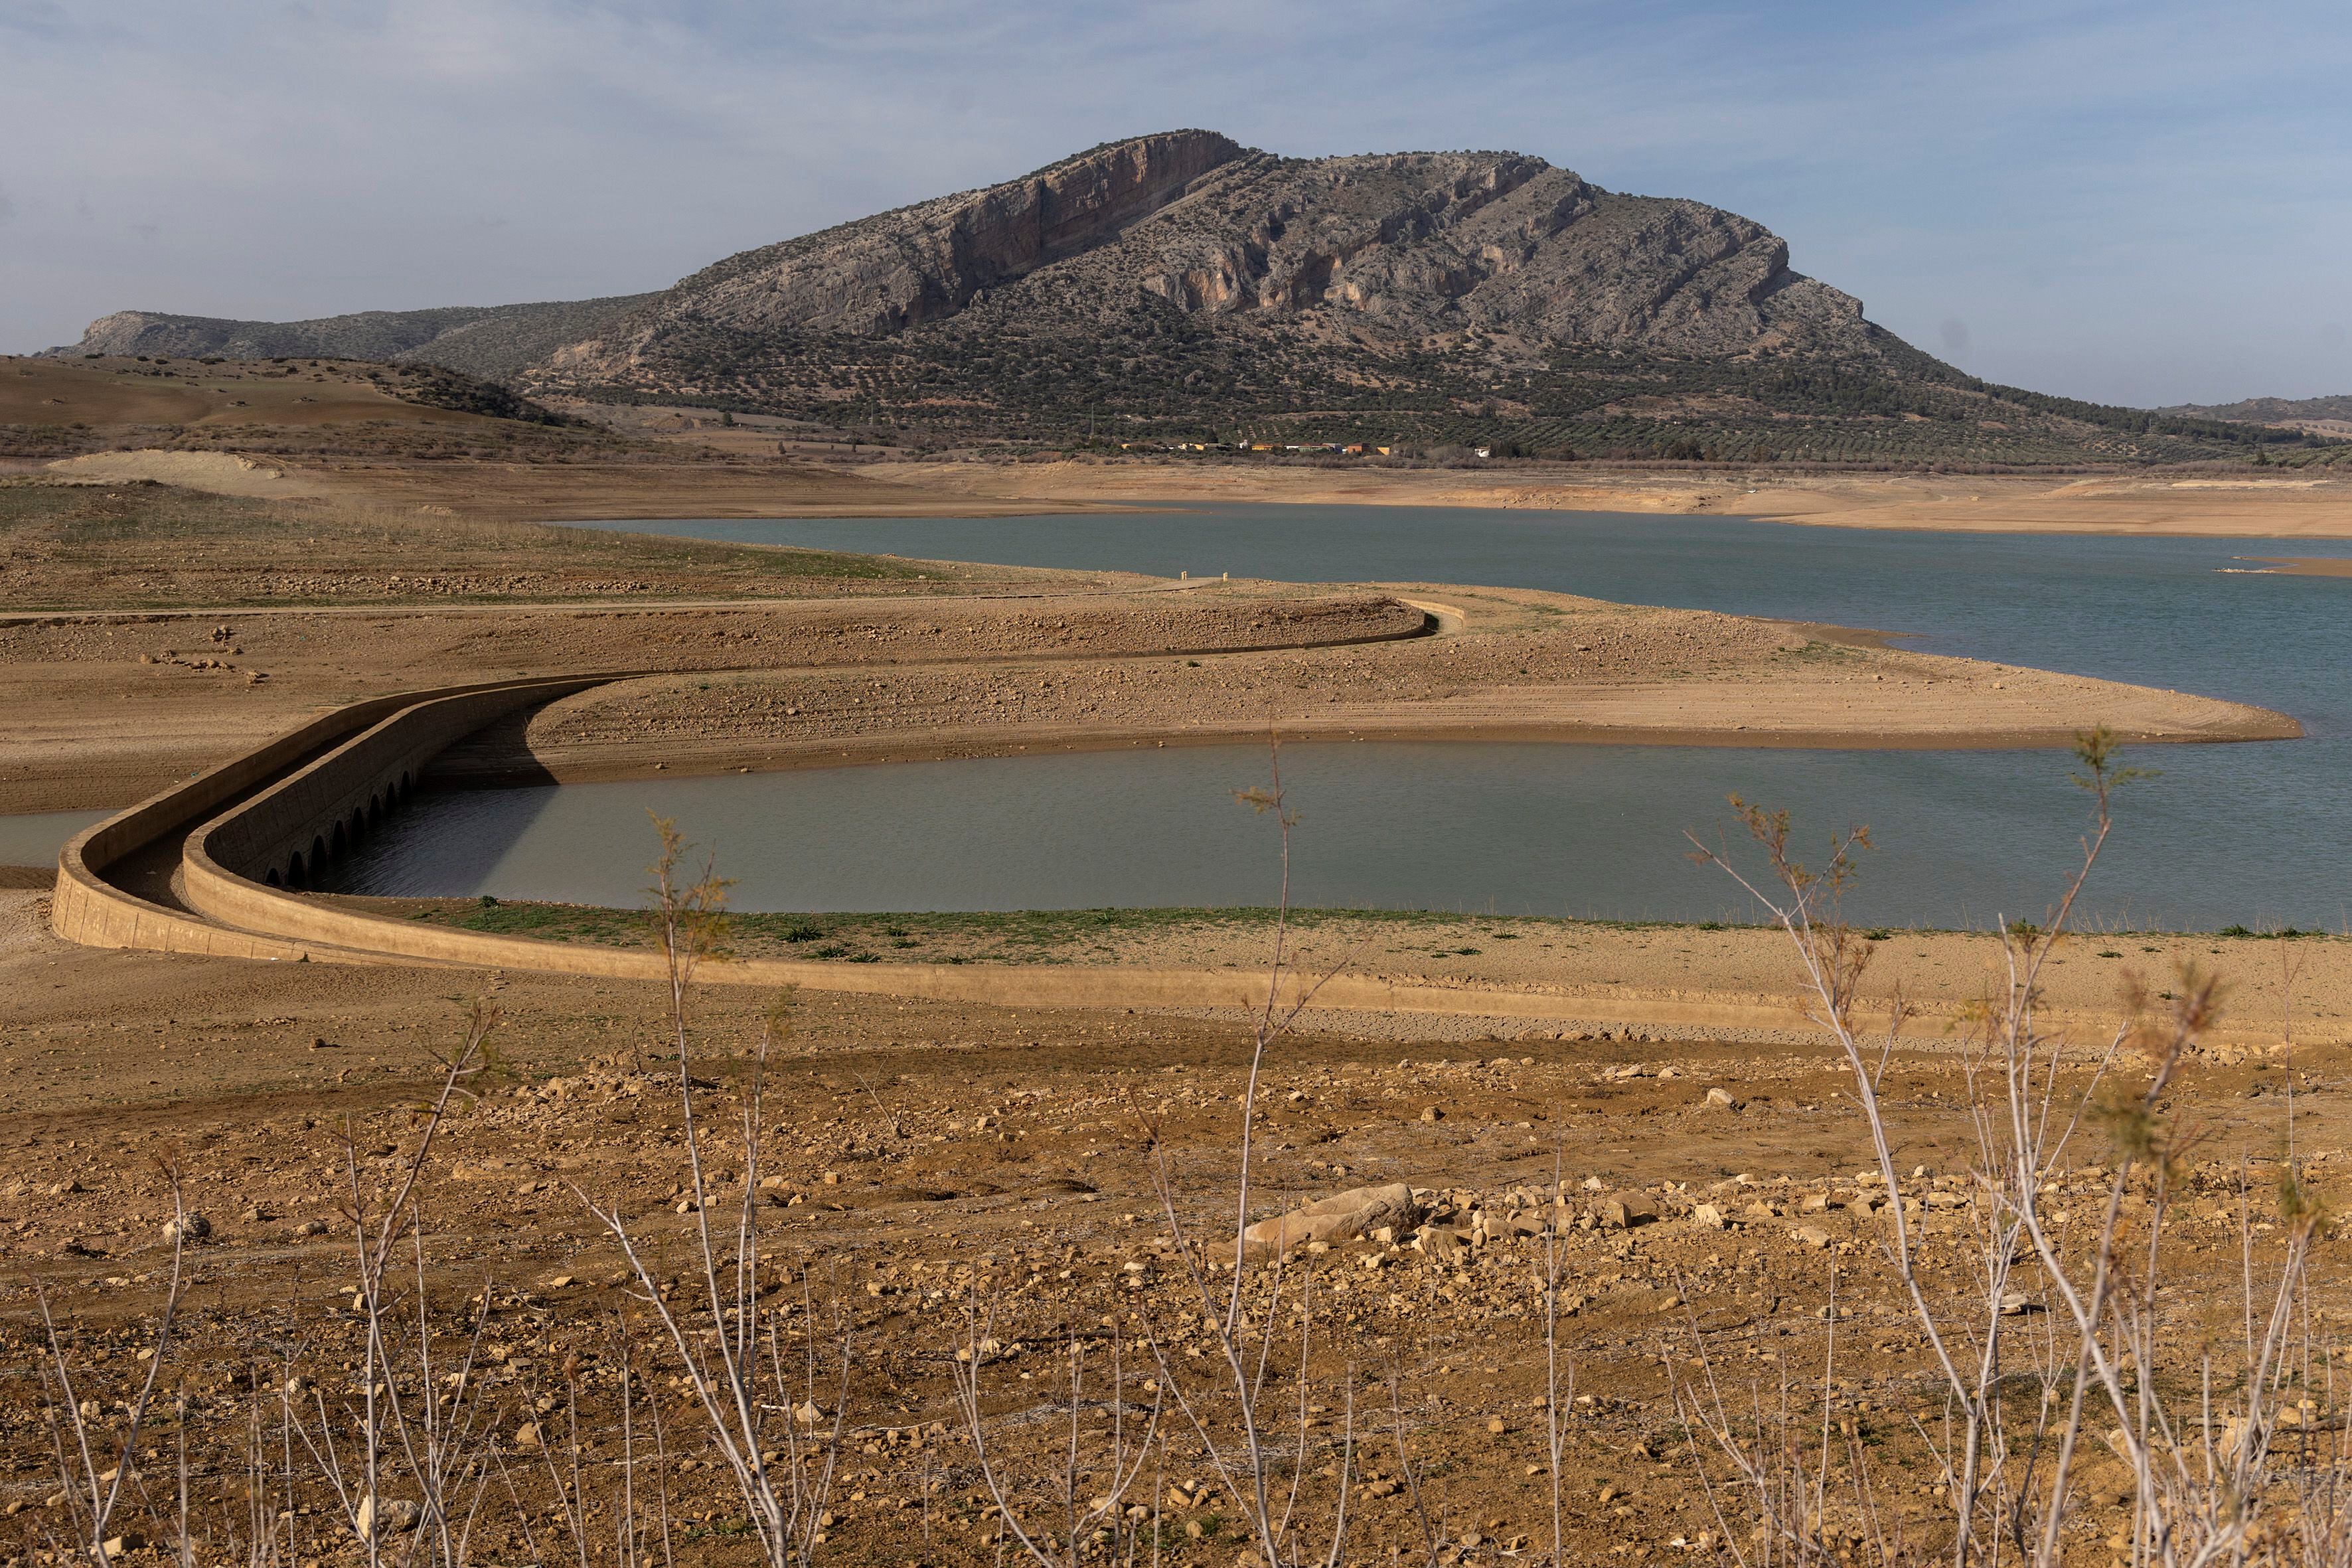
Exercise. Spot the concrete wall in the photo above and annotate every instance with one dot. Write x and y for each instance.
(323, 807)
(88, 908)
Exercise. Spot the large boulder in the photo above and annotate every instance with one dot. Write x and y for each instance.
(1342, 1216)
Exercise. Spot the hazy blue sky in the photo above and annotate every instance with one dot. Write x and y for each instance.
(2143, 203)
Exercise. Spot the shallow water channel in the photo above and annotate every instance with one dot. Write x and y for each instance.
(2250, 833)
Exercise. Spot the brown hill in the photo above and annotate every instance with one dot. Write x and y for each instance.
(2269, 410)
(52, 408)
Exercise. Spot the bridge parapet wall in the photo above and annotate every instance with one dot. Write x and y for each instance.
(321, 808)
(88, 908)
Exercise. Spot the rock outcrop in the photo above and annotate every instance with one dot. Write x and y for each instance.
(1388, 248)
(1343, 1217)
(921, 263)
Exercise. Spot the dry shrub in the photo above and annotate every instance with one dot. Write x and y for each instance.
(2057, 1349)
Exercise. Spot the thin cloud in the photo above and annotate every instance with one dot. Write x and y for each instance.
(2117, 201)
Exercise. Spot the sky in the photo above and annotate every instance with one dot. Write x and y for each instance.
(2140, 203)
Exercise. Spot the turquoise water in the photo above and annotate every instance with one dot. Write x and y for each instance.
(2252, 833)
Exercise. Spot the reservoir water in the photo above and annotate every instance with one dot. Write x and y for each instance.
(2252, 833)
(34, 838)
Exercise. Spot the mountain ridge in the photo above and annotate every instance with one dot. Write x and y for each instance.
(1180, 286)
(493, 341)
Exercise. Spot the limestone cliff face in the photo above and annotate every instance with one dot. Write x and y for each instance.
(1420, 244)
(1394, 248)
(926, 262)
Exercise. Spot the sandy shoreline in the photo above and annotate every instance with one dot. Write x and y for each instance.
(2151, 504)
(2303, 566)
(1536, 974)
(2145, 502)
(685, 758)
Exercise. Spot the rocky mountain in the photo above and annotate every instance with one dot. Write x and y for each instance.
(1183, 286)
(495, 341)
(1396, 249)
(1180, 286)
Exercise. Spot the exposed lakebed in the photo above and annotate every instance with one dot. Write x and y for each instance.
(2230, 835)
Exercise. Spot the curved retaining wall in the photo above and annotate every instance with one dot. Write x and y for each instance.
(285, 832)
(89, 909)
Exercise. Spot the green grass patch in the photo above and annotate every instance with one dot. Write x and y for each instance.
(152, 544)
(1076, 936)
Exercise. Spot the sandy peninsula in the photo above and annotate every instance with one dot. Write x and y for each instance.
(1500, 665)
(111, 707)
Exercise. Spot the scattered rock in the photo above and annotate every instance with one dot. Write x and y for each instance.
(397, 1516)
(1343, 1217)
(1625, 1213)
(1721, 1098)
(187, 1227)
(1812, 1235)
(1440, 1242)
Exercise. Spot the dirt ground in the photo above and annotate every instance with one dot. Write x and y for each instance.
(925, 1160)
(1600, 976)
(332, 430)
